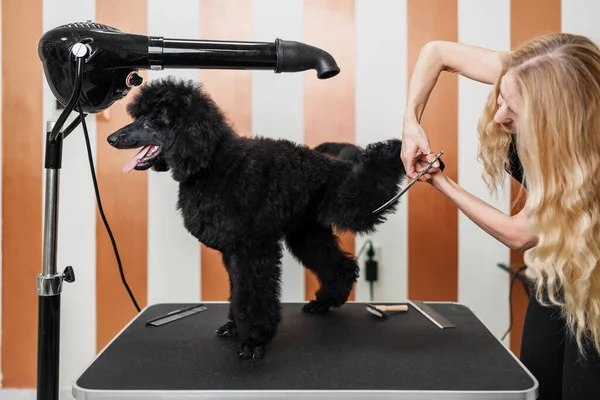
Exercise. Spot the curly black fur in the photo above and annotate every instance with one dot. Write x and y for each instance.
(242, 196)
(341, 151)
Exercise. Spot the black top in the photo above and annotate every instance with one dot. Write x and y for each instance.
(516, 168)
(347, 349)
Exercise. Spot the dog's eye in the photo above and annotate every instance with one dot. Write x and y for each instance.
(150, 126)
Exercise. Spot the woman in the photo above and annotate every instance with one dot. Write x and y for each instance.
(541, 124)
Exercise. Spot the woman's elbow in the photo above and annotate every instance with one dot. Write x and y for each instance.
(520, 237)
(522, 242)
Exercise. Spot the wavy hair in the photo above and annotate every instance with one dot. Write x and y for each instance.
(558, 142)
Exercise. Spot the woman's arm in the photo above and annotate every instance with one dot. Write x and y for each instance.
(510, 230)
(477, 63)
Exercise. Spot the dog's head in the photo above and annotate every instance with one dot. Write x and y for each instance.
(176, 125)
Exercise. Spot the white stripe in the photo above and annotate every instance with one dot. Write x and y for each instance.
(381, 76)
(173, 253)
(277, 110)
(483, 287)
(1, 185)
(581, 17)
(30, 394)
(76, 217)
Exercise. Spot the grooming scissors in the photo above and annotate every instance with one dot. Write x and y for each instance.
(396, 197)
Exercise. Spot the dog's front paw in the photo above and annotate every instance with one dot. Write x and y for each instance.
(227, 330)
(316, 307)
(247, 352)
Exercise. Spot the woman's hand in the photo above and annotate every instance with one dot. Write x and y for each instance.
(476, 63)
(435, 177)
(416, 152)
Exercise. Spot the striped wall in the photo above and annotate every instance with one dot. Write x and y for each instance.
(480, 285)
(426, 251)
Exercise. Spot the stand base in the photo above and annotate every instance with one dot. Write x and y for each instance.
(48, 347)
(347, 354)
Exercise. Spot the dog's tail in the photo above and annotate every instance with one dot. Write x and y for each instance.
(374, 176)
(374, 179)
(356, 190)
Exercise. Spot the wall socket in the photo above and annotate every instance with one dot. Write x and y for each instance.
(364, 257)
(362, 285)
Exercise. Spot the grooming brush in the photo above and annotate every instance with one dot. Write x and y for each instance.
(382, 311)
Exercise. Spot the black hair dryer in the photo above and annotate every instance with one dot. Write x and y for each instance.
(95, 64)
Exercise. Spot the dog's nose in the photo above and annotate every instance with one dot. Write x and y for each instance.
(113, 139)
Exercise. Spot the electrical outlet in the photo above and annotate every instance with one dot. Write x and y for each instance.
(364, 257)
(363, 292)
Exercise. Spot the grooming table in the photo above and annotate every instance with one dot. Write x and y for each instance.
(345, 354)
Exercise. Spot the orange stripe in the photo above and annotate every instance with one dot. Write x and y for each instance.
(528, 18)
(329, 105)
(124, 198)
(232, 91)
(432, 219)
(22, 156)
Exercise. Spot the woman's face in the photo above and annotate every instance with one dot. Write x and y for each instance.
(509, 104)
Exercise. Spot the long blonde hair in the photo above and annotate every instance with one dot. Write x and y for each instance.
(558, 143)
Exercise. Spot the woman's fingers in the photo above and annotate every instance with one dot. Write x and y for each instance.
(420, 166)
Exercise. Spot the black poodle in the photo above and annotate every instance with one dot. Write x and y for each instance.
(242, 196)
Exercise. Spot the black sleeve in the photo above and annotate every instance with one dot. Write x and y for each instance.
(516, 169)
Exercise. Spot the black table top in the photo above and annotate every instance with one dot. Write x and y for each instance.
(346, 349)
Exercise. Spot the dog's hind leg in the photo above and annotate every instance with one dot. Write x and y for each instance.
(255, 313)
(228, 329)
(317, 247)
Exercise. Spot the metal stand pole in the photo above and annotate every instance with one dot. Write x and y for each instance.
(49, 282)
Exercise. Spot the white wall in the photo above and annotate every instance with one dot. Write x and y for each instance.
(481, 285)
(168, 241)
(381, 85)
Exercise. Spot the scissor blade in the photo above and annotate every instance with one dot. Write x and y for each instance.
(397, 196)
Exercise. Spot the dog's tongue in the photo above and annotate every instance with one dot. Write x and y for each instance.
(136, 159)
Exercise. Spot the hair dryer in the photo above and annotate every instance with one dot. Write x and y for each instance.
(111, 59)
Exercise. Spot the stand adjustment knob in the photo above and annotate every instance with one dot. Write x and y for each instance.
(69, 274)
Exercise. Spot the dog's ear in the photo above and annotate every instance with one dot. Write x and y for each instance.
(195, 148)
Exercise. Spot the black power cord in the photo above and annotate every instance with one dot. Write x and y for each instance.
(515, 276)
(101, 210)
(362, 248)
